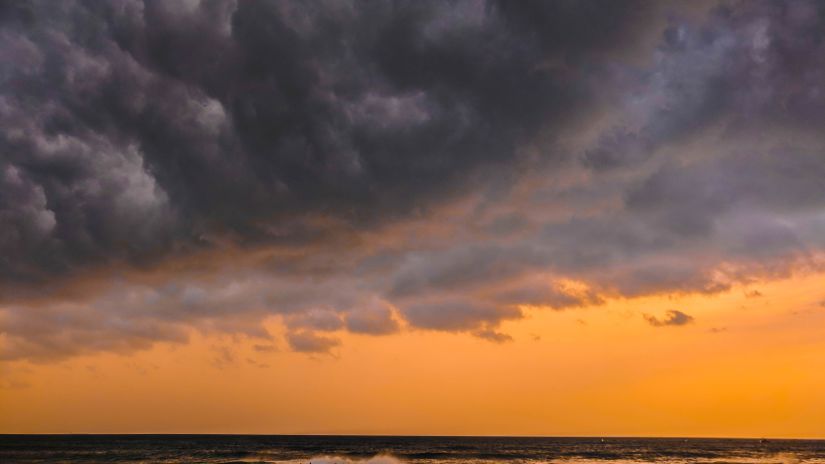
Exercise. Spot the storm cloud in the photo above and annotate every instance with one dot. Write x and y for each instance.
(369, 167)
(132, 130)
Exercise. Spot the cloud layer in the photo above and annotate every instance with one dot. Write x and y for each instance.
(366, 167)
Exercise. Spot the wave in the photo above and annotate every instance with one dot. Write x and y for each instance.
(377, 459)
(779, 458)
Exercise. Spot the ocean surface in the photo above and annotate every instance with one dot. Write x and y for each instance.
(398, 450)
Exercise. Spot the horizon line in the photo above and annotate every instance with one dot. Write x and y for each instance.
(359, 435)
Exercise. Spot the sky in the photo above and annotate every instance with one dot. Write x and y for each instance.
(413, 217)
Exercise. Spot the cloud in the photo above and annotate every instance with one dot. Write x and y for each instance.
(672, 318)
(168, 167)
(30, 333)
(144, 134)
(372, 320)
(223, 357)
(493, 336)
(457, 315)
(325, 320)
(309, 342)
(538, 291)
(265, 348)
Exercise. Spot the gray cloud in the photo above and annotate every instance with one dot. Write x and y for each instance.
(376, 319)
(454, 161)
(315, 319)
(457, 314)
(132, 129)
(309, 342)
(672, 318)
(493, 336)
(544, 293)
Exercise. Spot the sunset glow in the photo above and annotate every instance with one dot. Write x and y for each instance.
(413, 218)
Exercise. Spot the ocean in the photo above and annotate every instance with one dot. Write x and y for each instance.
(225, 449)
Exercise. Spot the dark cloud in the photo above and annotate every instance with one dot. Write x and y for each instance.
(737, 71)
(672, 318)
(372, 320)
(457, 314)
(309, 342)
(133, 130)
(493, 336)
(322, 320)
(460, 267)
(354, 167)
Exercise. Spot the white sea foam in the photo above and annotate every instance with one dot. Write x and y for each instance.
(330, 459)
(378, 459)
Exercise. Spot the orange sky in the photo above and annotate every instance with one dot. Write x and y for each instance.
(747, 366)
(469, 217)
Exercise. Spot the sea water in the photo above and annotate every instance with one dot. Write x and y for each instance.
(400, 450)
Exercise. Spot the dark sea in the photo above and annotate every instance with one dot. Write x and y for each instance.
(398, 450)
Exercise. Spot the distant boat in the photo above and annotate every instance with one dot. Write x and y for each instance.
(763, 440)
